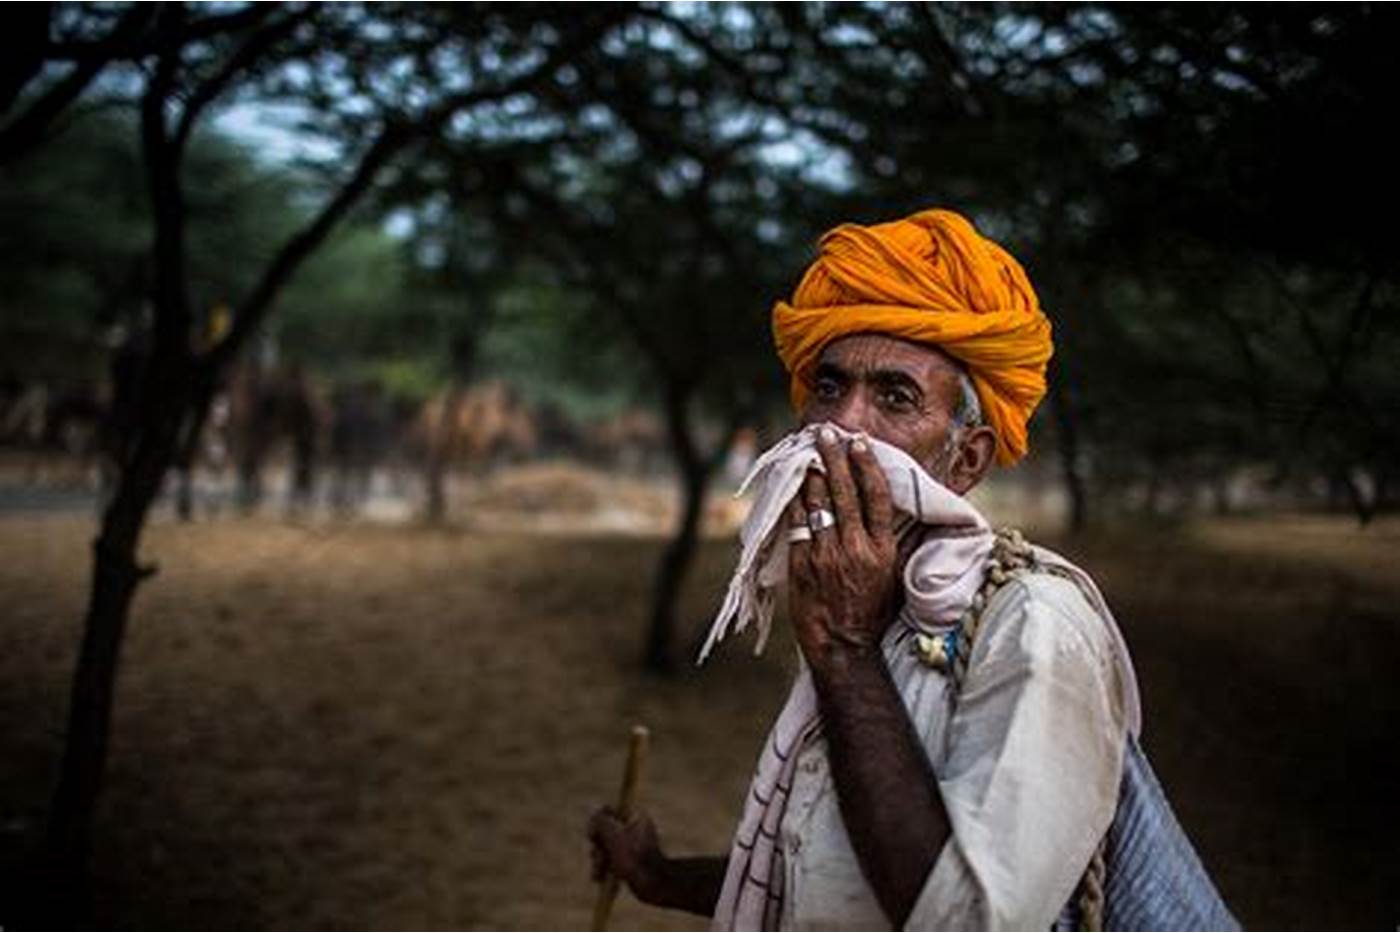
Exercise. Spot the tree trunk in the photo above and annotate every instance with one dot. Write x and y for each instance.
(1071, 462)
(670, 573)
(174, 378)
(442, 438)
(462, 348)
(696, 468)
(116, 576)
(675, 560)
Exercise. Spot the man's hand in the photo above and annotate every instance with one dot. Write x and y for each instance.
(629, 849)
(845, 589)
(844, 584)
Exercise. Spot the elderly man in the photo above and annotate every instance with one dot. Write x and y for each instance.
(954, 750)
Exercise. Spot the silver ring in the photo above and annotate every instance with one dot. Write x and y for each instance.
(799, 533)
(821, 519)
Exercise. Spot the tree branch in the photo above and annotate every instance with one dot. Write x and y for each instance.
(392, 139)
(27, 130)
(162, 161)
(241, 60)
(253, 309)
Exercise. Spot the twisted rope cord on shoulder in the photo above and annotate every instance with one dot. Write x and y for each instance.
(1012, 556)
(1091, 889)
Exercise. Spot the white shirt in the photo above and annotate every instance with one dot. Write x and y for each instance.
(1028, 756)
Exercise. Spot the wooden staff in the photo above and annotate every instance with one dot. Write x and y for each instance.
(631, 777)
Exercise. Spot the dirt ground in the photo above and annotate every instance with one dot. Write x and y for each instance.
(370, 726)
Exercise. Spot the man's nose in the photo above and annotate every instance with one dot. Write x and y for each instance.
(855, 413)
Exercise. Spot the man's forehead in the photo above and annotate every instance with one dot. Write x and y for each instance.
(870, 352)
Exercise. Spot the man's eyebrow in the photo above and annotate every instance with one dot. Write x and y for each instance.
(829, 370)
(896, 376)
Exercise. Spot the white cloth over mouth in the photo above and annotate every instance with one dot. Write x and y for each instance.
(939, 580)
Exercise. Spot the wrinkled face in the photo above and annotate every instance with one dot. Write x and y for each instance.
(900, 392)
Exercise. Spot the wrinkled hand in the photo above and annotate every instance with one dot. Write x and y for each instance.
(629, 849)
(844, 584)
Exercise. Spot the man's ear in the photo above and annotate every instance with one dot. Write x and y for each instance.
(975, 455)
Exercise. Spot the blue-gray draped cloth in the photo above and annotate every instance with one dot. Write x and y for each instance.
(1154, 878)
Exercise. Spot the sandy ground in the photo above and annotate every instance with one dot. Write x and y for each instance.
(371, 726)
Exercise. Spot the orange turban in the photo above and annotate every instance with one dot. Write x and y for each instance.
(930, 278)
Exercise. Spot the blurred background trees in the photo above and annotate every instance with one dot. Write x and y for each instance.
(597, 206)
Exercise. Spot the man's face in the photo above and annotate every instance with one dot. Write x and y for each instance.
(900, 392)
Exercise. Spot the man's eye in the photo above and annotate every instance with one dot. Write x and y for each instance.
(900, 399)
(827, 389)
